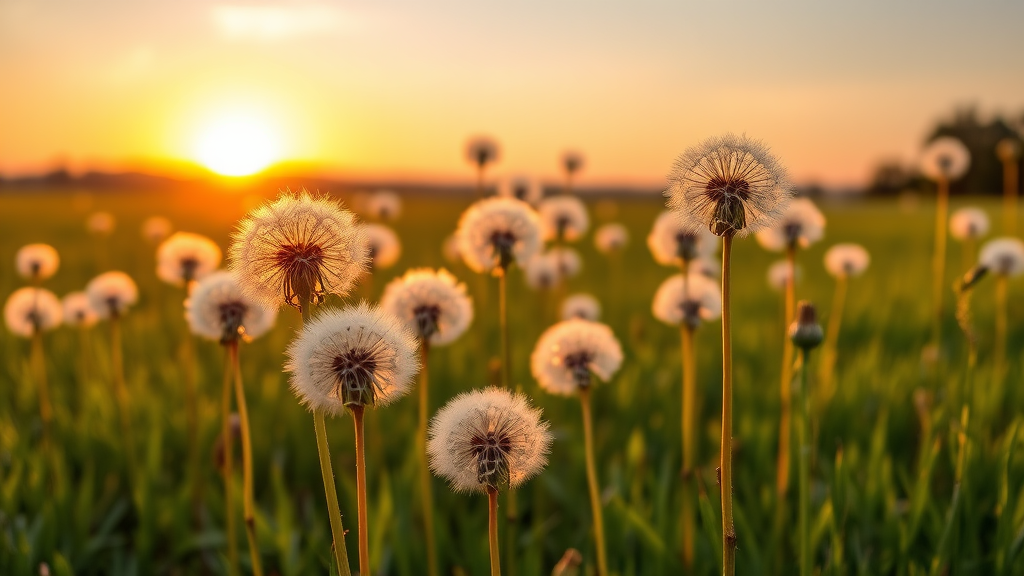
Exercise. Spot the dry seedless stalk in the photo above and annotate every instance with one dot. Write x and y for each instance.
(592, 484)
(725, 469)
(229, 485)
(426, 493)
(364, 545)
(785, 389)
(249, 506)
(492, 530)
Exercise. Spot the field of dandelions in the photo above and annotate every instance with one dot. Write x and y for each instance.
(907, 464)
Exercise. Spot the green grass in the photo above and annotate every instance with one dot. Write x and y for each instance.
(885, 497)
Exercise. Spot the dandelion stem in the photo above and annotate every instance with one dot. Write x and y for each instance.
(595, 490)
(803, 462)
(364, 545)
(492, 530)
(38, 364)
(689, 442)
(327, 471)
(999, 354)
(121, 394)
(192, 418)
(229, 485)
(506, 367)
(786, 385)
(939, 260)
(725, 469)
(831, 348)
(1011, 175)
(249, 505)
(427, 494)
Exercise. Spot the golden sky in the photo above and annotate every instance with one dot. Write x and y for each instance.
(392, 89)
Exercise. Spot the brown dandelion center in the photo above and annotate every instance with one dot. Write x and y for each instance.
(188, 269)
(35, 267)
(356, 384)
(686, 246)
(520, 191)
(729, 197)
(578, 364)
(492, 451)
(112, 304)
(792, 231)
(562, 223)
(503, 242)
(231, 316)
(302, 264)
(691, 313)
(426, 317)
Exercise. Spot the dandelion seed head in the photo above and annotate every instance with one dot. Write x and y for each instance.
(482, 150)
(488, 438)
(582, 306)
(671, 242)
(432, 304)
(78, 311)
(611, 237)
(185, 257)
(567, 261)
(779, 274)
(569, 353)
(383, 205)
(1003, 256)
(296, 243)
(37, 261)
(111, 294)
(31, 310)
(541, 272)
(563, 218)
(100, 223)
(847, 260)
(968, 223)
(698, 299)
(155, 229)
(801, 224)
(707, 267)
(522, 188)
(731, 185)
(945, 157)
(382, 246)
(218, 309)
(572, 161)
(494, 232)
(356, 356)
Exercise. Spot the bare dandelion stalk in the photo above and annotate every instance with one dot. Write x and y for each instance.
(830, 350)
(786, 386)
(492, 530)
(592, 484)
(725, 465)
(229, 466)
(427, 494)
(999, 352)
(249, 506)
(121, 394)
(939, 259)
(1009, 151)
(364, 541)
(689, 442)
(38, 363)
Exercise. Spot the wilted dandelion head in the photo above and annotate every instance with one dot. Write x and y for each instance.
(729, 184)
(570, 353)
(522, 188)
(847, 260)
(381, 246)
(563, 218)
(383, 205)
(801, 224)
(185, 257)
(1009, 149)
(219, 310)
(572, 161)
(37, 262)
(481, 151)
(671, 242)
(486, 440)
(945, 158)
(968, 223)
(296, 244)
(1003, 256)
(779, 274)
(432, 304)
(156, 228)
(32, 310)
(541, 272)
(494, 232)
(698, 299)
(111, 294)
(582, 306)
(78, 311)
(354, 357)
(611, 237)
(100, 223)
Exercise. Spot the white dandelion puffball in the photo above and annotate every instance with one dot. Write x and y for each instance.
(298, 243)
(383, 205)
(779, 273)
(521, 188)
(1003, 256)
(611, 237)
(567, 261)
(156, 228)
(218, 309)
(450, 249)
(729, 184)
(570, 352)
(31, 310)
(482, 150)
(945, 157)
(968, 223)
(706, 266)
(847, 260)
(541, 272)
(698, 299)
(670, 241)
(433, 304)
(100, 223)
(563, 218)
(37, 261)
(185, 257)
(488, 439)
(494, 232)
(356, 356)
(111, 294)
(801, 224)
(582, 306)
(381, 245)
(78, 311)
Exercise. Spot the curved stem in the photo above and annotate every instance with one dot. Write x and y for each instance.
(592, 484)
(939, 260)
(492, 530)
(786, 385)
(249, 505)
(426, 493)
(804, 480)
(327, 472)
(364, 543)
(725, 467)
(1000, 337)
(506, 368)
(229, 484)
(689, 442)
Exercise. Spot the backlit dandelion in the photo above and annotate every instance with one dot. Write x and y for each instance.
(673, 244)
(100, 223)
(611, 238)
(486, 440)
(572, 163)
(945, 158)
(37, 262)
(155, 229)
(78, 311)
(185, 257)
(780, 275)
(567, 261)
(28, 313)
(382, 246)
(383, 205)
(568, 359)
(522, 188)
(687, 301)
(481, 151)
(1004, 258)
(581, 306)
(541, 272)
(843, 262)
(800, 225)
(298, 249)
(969, 223)
(1009, 151)
(563, 218)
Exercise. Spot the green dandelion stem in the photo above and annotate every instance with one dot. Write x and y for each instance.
(999, 352)
(592, 484)
(786, 385)
(229, 485)
(939, 259)
(327, 471)
(803, 464)
(249, 506)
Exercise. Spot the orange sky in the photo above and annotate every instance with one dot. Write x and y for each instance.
(393, 89)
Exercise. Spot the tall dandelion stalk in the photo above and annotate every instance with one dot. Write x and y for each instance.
(806, 334)
(964, 287)
(1004, 258)
(568, 359)
(732, 186)
(842, 261)
(28, 313)
(78, 313)
(1009, 151)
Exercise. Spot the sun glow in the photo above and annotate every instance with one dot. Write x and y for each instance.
(237, 146)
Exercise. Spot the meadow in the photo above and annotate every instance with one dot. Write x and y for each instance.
(900, 483)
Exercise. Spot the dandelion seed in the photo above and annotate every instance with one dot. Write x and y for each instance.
(433, 305)
(100, 223)
(581, 306)
(218, 310)
(677, 303)
(570, 353)
(381, 245)
(185, 257)
(37, 262)
(495, 232)
(111, 294)
(801, 224)
(78, 311)
(671, 243)
(298, 247)
(29, 311)
(156, 228)
(521, 188)
(846, 260)
(563, 218)
(611, 238)
(968, 223)
(945, 158)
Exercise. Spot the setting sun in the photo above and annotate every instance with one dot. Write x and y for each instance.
(237, 146)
